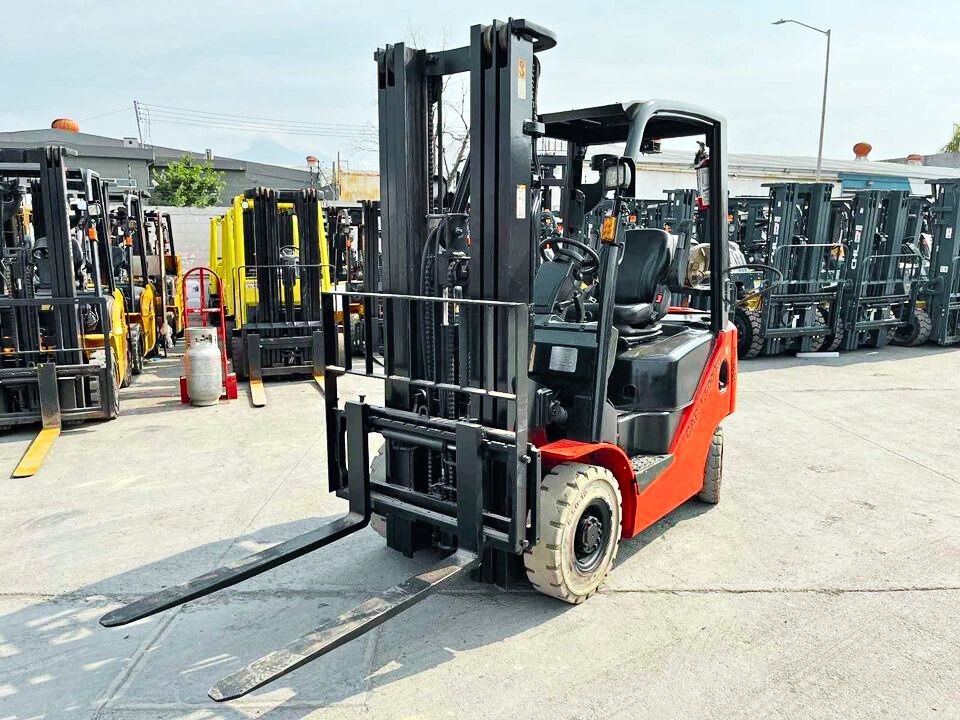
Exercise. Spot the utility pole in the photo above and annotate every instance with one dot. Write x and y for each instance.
(136, 110)
(826, 76)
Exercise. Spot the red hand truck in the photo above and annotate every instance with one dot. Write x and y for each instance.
(203, 313)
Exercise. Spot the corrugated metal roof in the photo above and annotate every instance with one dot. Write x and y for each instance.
(102, 146)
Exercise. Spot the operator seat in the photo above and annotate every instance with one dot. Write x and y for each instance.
(641, 297)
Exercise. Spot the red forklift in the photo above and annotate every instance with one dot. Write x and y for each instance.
(547, 396)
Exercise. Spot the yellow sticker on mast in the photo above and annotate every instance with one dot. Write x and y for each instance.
(522, 79)
(521, 202)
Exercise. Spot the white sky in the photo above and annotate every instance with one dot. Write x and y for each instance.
(895, 66)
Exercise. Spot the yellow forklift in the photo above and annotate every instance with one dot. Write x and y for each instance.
(63, 352)
(143, 302)
(270, 251)
(166, 270)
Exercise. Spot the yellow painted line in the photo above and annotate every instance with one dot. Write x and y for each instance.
(35, 454)
(257, 396)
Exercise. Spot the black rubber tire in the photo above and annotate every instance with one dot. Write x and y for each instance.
(128, 375)
(713, 471)
(825, 343)
(100, 356)
(917, 332)
(115, 379)
(833, 343)
(749, 332)
(567, 493)
(136, 352)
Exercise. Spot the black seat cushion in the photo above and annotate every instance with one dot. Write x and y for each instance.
(636, 314)
(647, 254)
(646, 258)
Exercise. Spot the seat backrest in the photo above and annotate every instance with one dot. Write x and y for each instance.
(646, 259)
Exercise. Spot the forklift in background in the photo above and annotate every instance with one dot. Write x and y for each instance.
(799, 310)
(749, 219)
(343, 231)
(940, 292)
(62, 350)
(544, 400)
(166, 270)
(274, 251)
(144, 305)
(882, 272)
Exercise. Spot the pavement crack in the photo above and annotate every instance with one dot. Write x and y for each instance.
(120, 680)
(781, 591)
(481, 591)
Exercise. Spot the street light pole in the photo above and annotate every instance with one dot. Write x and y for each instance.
(826, 77)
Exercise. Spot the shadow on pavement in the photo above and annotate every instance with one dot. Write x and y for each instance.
(55, 646)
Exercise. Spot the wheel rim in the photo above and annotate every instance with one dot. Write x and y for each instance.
(592, 536)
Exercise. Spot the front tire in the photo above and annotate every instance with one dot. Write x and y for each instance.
(749, 332)
(580, 512)
(917, 332)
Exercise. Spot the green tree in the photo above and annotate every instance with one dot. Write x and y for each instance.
(953, 144)
(188, 183)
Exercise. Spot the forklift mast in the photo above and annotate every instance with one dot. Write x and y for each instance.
(942, 291)
(805, 269)
(881, 272)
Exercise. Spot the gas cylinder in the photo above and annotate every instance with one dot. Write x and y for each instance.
(202, 366)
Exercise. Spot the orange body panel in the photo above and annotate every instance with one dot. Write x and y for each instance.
(684, 477)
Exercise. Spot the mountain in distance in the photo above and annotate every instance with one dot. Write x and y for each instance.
(269, 151)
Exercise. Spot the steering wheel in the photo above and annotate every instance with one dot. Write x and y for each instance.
(567, 250)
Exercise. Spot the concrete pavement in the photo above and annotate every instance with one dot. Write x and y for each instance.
(825, 585)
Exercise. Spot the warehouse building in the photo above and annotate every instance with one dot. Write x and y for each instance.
(132, 165)
(749, 173)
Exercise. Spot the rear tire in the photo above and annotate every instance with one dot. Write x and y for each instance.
(916, 333)
(713, 471)
(749, 332)
(579, 532)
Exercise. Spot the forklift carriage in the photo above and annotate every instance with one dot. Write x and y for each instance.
(542, 397)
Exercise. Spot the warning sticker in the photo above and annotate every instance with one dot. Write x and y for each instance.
(563, 359)
(522, 79)
(521, 202)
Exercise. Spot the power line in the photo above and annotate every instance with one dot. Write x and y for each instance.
(207, 113)
(112, 112)
(252, 128)
(225, 121)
